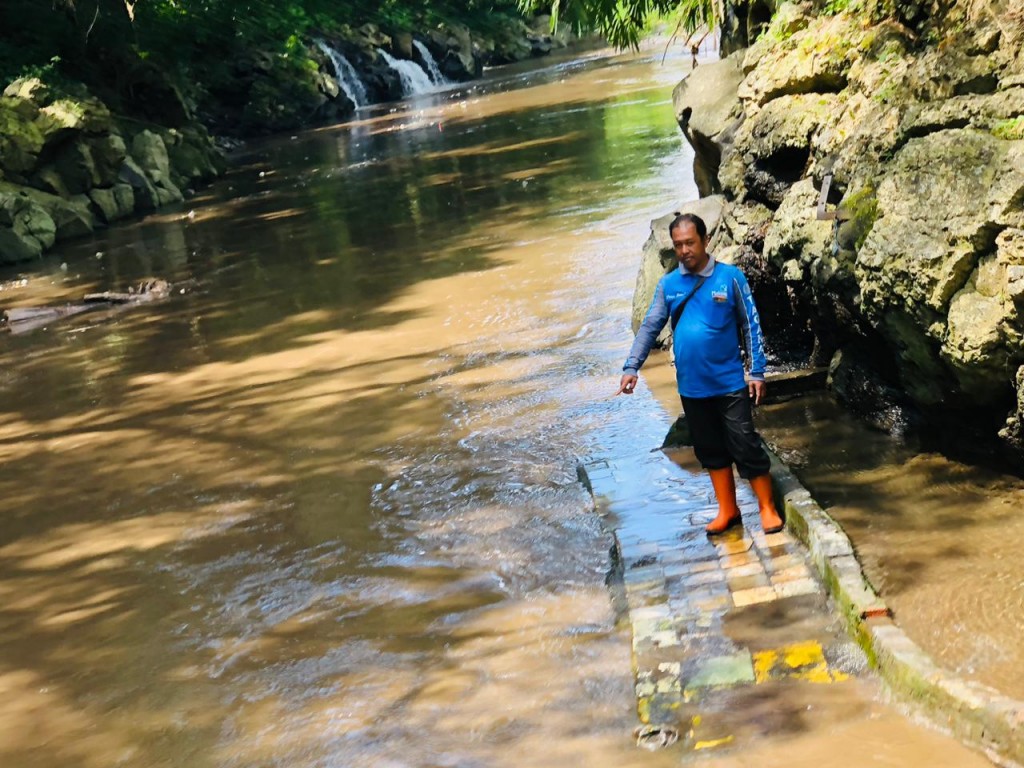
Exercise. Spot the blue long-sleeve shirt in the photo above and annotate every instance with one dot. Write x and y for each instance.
(706, 343)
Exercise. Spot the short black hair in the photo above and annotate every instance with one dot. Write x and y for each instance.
(689, 218)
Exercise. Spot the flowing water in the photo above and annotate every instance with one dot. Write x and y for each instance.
(939, 539)
(348, 78)
(432, 69)
(319, 507)
(415, 79)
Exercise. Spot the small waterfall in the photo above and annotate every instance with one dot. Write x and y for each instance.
(348, 78)
(414, 78)
(432, 69)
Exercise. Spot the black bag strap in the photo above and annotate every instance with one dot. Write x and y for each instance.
(678, 311)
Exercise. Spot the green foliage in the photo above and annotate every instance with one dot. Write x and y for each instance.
(623, 22)
(193, 39)
(833, 7)
(885, 94)
(1010, 130)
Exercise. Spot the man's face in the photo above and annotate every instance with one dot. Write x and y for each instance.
(690, 247)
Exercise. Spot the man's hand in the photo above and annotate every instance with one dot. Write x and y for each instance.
(627, 384)
(757, 389)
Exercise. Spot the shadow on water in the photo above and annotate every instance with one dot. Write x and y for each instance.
(938, 538)
(317, 510)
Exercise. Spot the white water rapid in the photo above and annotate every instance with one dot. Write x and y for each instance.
(348, 78)
(432, 69)
(414, 79)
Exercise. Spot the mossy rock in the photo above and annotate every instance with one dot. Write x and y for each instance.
(20, 141)
(26, 229)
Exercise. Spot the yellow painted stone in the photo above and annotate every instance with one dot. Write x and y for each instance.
(643, 709)
(712, 743)
(801, 661)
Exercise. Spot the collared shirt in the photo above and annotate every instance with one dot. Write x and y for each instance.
(719, 316)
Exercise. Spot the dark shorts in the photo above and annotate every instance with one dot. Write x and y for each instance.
(723, 433)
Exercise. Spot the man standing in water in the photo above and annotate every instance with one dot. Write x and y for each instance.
(712, 311)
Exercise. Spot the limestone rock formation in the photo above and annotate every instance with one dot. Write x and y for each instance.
(916, 116)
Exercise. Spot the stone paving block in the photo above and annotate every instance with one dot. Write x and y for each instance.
(677, 571)
(704, 565)
(664, 639)
(704, 578)
(744, 583)
(644, 688)
(753, 596)
(778, 539)
(783, 562)
(642, 599)
(721, 671)
(673, 558)
(713, 604)
(651, 613)
(795, 573)
(734, 547)
(682, 611)
(735, 561)
(749, 569)
(645, 629)
(669, 684)
(638, 549)
(648, 575)
(660, 708)
(798, 587)
(644, 588)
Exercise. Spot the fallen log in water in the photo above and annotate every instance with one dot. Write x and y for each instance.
(24, 319)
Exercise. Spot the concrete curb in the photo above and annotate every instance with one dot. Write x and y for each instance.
(976, 714)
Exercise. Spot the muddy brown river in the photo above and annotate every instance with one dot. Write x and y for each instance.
(319, 507)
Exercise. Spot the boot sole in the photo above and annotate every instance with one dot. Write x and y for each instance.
(732, 524)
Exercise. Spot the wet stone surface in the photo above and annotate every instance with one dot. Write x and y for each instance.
(732, 636)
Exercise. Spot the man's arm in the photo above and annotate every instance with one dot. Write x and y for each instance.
(646, 336)
(750, 333)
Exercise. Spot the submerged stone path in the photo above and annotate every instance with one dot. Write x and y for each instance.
(732, 636)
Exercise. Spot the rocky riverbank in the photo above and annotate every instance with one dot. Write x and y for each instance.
(365, 65)
(69, 166)
(72, 161)
(910, 278)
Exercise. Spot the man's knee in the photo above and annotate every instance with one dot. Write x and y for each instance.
(754, 464)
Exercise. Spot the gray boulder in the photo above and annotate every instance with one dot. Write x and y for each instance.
(76, 168)
(26, 229)
(71, 216)
(708, 112)
(146, 196)
(20, 140)
(113, 203)
(108, 153)
(150, 154)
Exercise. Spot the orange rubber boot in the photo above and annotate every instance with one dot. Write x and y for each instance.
(770, 520)
(725, 492)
